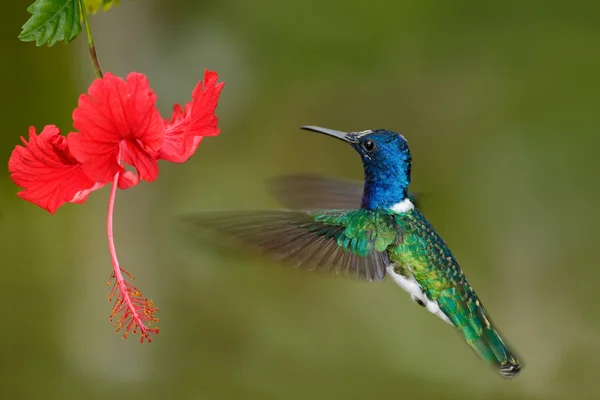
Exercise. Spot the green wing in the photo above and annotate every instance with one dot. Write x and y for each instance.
(342, 242)
(308, 191)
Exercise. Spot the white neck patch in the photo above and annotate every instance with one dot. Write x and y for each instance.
(404, 206)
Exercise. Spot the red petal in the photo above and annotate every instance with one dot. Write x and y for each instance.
(114, 112)
(99, 159)
(48, 172)
(146, 165)
(128, 179)
(192, 143)
(196, 120)
(81, 196)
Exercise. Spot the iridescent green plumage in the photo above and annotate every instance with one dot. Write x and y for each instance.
(362, 243)
(424, 255)
(369, 231)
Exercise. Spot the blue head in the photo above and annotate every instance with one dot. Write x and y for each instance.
(386, 161)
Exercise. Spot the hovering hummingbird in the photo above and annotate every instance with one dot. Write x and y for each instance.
(370, 232)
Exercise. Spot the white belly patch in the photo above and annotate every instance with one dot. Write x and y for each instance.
(412, 287)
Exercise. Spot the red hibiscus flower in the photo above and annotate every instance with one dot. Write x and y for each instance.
(118, 124)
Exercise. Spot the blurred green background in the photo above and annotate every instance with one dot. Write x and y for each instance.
(499, 102)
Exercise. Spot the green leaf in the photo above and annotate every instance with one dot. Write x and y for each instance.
(52, 21)
(93, 6)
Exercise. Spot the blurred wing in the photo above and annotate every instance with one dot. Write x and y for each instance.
(306, 191)
(300, 191)
(316, 240)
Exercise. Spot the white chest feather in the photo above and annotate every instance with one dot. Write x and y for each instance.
(412, 287)
(402, 207)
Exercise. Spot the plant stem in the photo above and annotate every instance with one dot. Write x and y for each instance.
(90, 40)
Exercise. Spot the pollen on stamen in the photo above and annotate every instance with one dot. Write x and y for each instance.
(131, 311)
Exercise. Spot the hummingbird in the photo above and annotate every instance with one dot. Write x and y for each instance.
(370, 232)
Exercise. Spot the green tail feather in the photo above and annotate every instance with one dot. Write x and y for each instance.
(465, 311)
(486, 341)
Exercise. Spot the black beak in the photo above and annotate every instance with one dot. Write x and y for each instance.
(346, 137)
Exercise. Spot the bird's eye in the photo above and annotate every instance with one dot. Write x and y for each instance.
(368, 145)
